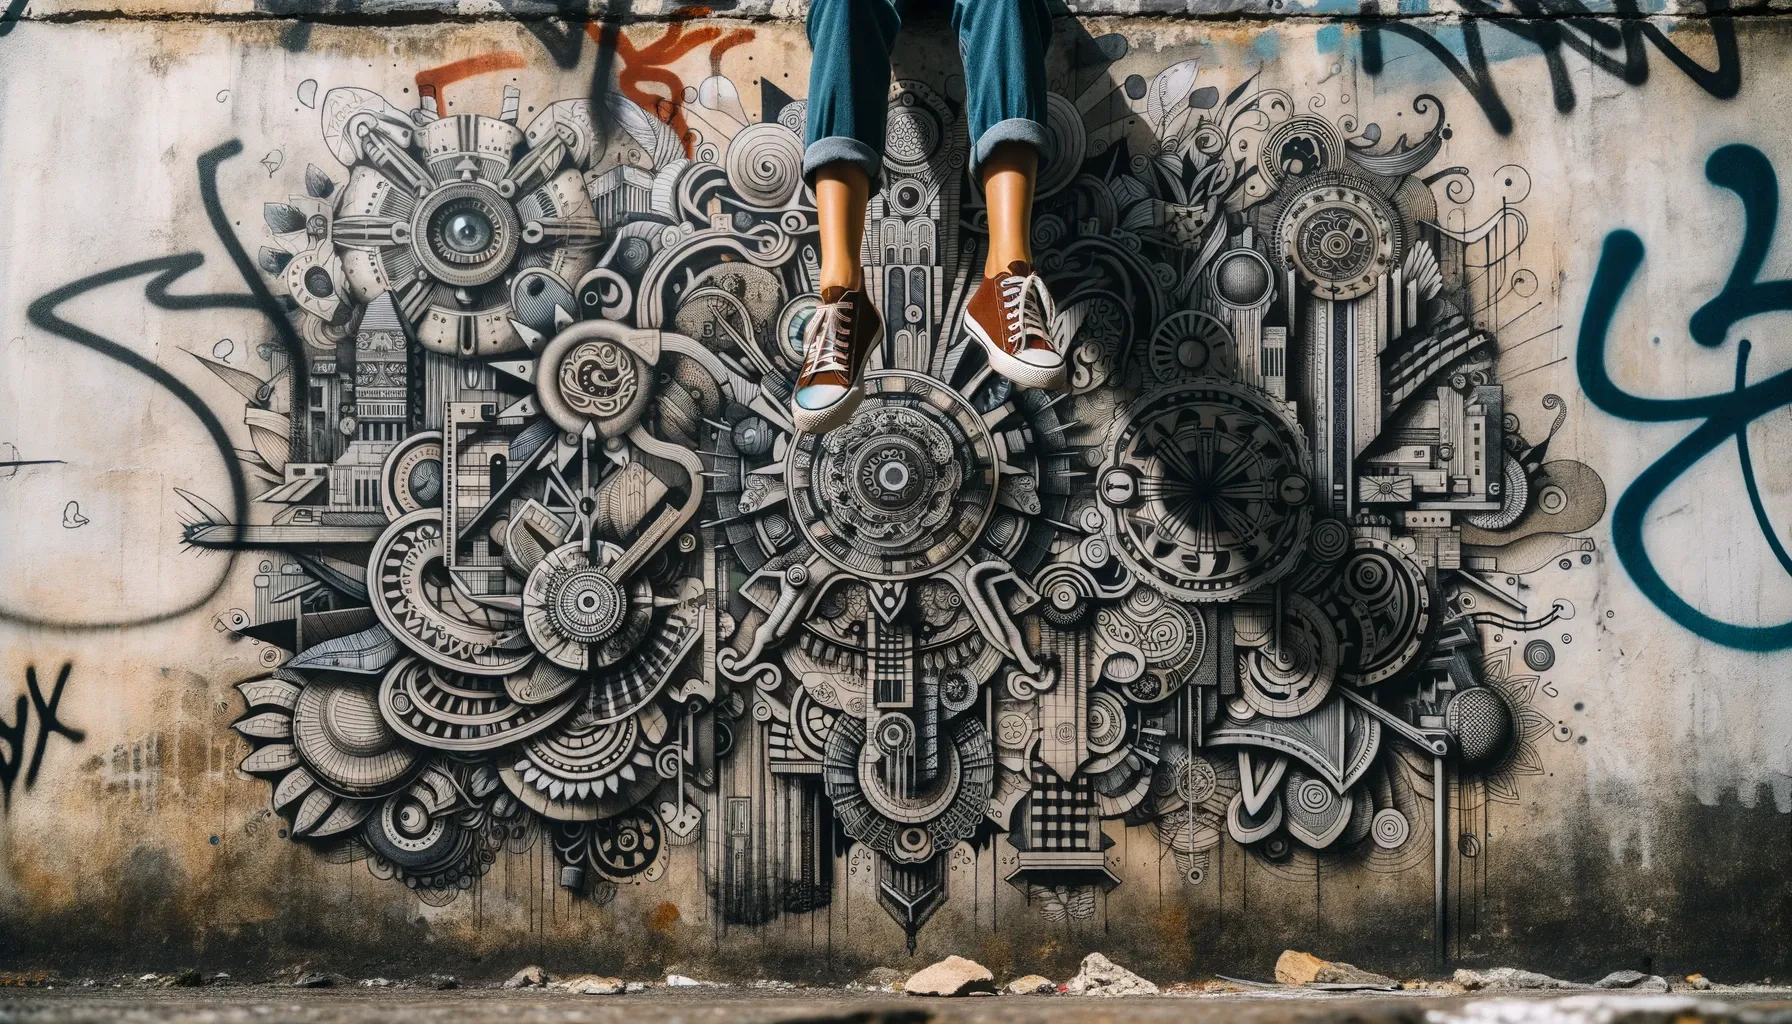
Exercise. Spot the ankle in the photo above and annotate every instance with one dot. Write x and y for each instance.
(997, 263)
(849, 278)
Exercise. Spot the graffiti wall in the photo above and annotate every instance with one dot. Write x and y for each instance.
(409, 558)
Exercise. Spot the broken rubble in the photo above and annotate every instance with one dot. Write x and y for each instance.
(589, 985)
(1296, 968)
(953, 976)
(1633, 981)
(1102, 977)
(885, 978)
(1509, 979)
(1032, 984)
(529, 977)
(1698, 982)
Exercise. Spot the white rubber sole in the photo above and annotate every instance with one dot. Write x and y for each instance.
(1021, 372)
(820, 421)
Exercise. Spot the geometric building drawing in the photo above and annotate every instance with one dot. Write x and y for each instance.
(553, 555)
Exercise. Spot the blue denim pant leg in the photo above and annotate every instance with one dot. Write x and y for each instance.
(1002, 43)
(1003, 46)
(849, 83)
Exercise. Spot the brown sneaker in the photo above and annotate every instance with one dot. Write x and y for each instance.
(837, 341)
(1012, 314)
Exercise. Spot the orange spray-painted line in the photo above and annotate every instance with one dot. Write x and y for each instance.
(431, 82)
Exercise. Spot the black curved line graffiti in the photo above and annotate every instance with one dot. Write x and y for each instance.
(13, 734)
(167, 270)
(1587, 35)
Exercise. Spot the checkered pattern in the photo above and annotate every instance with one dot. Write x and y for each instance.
(1059, 812)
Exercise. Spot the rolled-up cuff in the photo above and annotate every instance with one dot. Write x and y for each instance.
(843, 149)
(1015, 129)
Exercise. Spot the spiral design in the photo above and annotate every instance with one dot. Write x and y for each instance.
(765, 164)
(599, 379)
(1390, 829)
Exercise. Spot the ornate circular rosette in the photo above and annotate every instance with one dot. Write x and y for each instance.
(1208, 486)
(765, 164)
(589, 378)
(904, 487)
(626, 845)
(1340, 236)
(584, 769)
(1188, 344)
(579, 617)
(416, 600)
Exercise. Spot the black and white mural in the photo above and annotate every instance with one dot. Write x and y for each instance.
(545, 564)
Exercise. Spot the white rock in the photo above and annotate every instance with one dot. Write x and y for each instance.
(590, 985)
(1509, 979)
(1032, 984)
(953, 976)
(1633, 981)
(1102, 977)
(529, 977)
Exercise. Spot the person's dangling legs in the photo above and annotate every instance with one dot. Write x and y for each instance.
(1003, 43)
(1003, 46)
(849, 90)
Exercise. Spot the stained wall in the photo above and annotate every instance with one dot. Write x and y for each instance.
(1409, 363)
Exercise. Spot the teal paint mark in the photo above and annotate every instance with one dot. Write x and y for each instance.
(1726, 415)
(1329, 39)
(1266, 46)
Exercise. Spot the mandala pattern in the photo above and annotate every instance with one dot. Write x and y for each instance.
(550, 562)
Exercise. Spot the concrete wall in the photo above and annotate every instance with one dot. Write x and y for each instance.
(1458, 302)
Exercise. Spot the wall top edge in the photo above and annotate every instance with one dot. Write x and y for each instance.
(376, 11)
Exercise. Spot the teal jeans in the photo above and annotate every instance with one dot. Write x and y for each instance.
(1002, 43)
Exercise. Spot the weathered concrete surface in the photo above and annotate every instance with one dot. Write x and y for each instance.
(1647, 830)
(373, 11)
(827, 1007)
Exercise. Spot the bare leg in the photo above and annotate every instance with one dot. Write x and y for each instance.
(1008, 176)
(841, 192)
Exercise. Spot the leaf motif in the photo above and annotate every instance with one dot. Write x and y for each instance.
(282, 219)
(318, 184)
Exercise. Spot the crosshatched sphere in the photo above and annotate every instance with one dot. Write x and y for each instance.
(1241, 278)
(1482, 724)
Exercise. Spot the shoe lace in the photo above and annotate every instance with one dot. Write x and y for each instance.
(1021, 309)
(833, 340)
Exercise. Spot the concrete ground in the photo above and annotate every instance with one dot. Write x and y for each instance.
(268, 1004)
